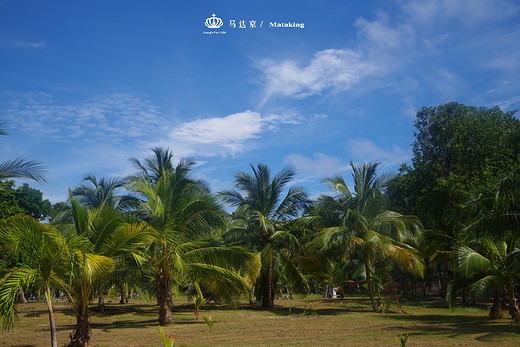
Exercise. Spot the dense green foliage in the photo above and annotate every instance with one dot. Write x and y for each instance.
(23, 200)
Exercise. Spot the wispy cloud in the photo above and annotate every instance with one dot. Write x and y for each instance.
(383, 35)
(22, 44)
(363, 149)
(319, 165)
(111, 117)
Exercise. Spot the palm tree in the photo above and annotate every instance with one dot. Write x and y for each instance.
(93, 193)
(21, 167)
(262, 222)
(106, 241)
(46, 252)
(492, 250)
(487, 264)
(183, 216)
(361, 224)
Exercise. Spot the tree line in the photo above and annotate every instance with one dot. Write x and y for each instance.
(451, 218)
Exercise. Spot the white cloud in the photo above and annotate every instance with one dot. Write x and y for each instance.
(331, 68)
(366, 150)
(229, 132)
(222, 136)
(319, 165)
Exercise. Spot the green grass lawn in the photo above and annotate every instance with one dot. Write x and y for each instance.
(318, 322)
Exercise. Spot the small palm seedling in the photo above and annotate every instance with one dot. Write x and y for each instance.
(167, 342)
(308, 305)
(209, 321)
(198, 301)
(402, 339)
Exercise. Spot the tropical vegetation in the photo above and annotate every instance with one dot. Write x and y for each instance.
(450, 217)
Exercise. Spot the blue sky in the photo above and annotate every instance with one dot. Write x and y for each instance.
(86, 85)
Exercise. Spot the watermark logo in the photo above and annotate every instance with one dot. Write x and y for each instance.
(213, 22)
(246, 24)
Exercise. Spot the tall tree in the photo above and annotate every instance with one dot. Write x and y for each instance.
(8, 203)
(361, 224)
(31, 201)
(262, 222)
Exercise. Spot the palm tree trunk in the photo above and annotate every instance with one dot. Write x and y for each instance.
(164, 296)
(122, 291)
(370, 289)
(514, 311)
(496, 310)
(23, 299)
(395, 293)
(54, 340)
(82, 332)
(101, 301)
(267, 290)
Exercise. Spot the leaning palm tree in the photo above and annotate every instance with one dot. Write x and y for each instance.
(46, 251)
(183, 217)
(262, 222)
(21, 168)
(358, 223)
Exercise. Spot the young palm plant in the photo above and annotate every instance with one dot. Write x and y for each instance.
(262, 222)
(362, 226)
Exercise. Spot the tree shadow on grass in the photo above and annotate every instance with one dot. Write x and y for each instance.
(454, 326)
(35, 313)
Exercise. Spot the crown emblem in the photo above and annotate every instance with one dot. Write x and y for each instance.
(214, 22)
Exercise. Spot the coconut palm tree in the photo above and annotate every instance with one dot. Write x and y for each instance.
(94, 192)
(183, 217)
(487, 264)
(46, 253)
(21, 168)
(262, 222)
(363, 227)
(107, 240)
(491, 254)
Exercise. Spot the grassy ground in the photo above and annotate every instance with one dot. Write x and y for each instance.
(318, 321)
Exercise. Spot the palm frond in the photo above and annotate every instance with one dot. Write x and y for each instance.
(23, 168)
